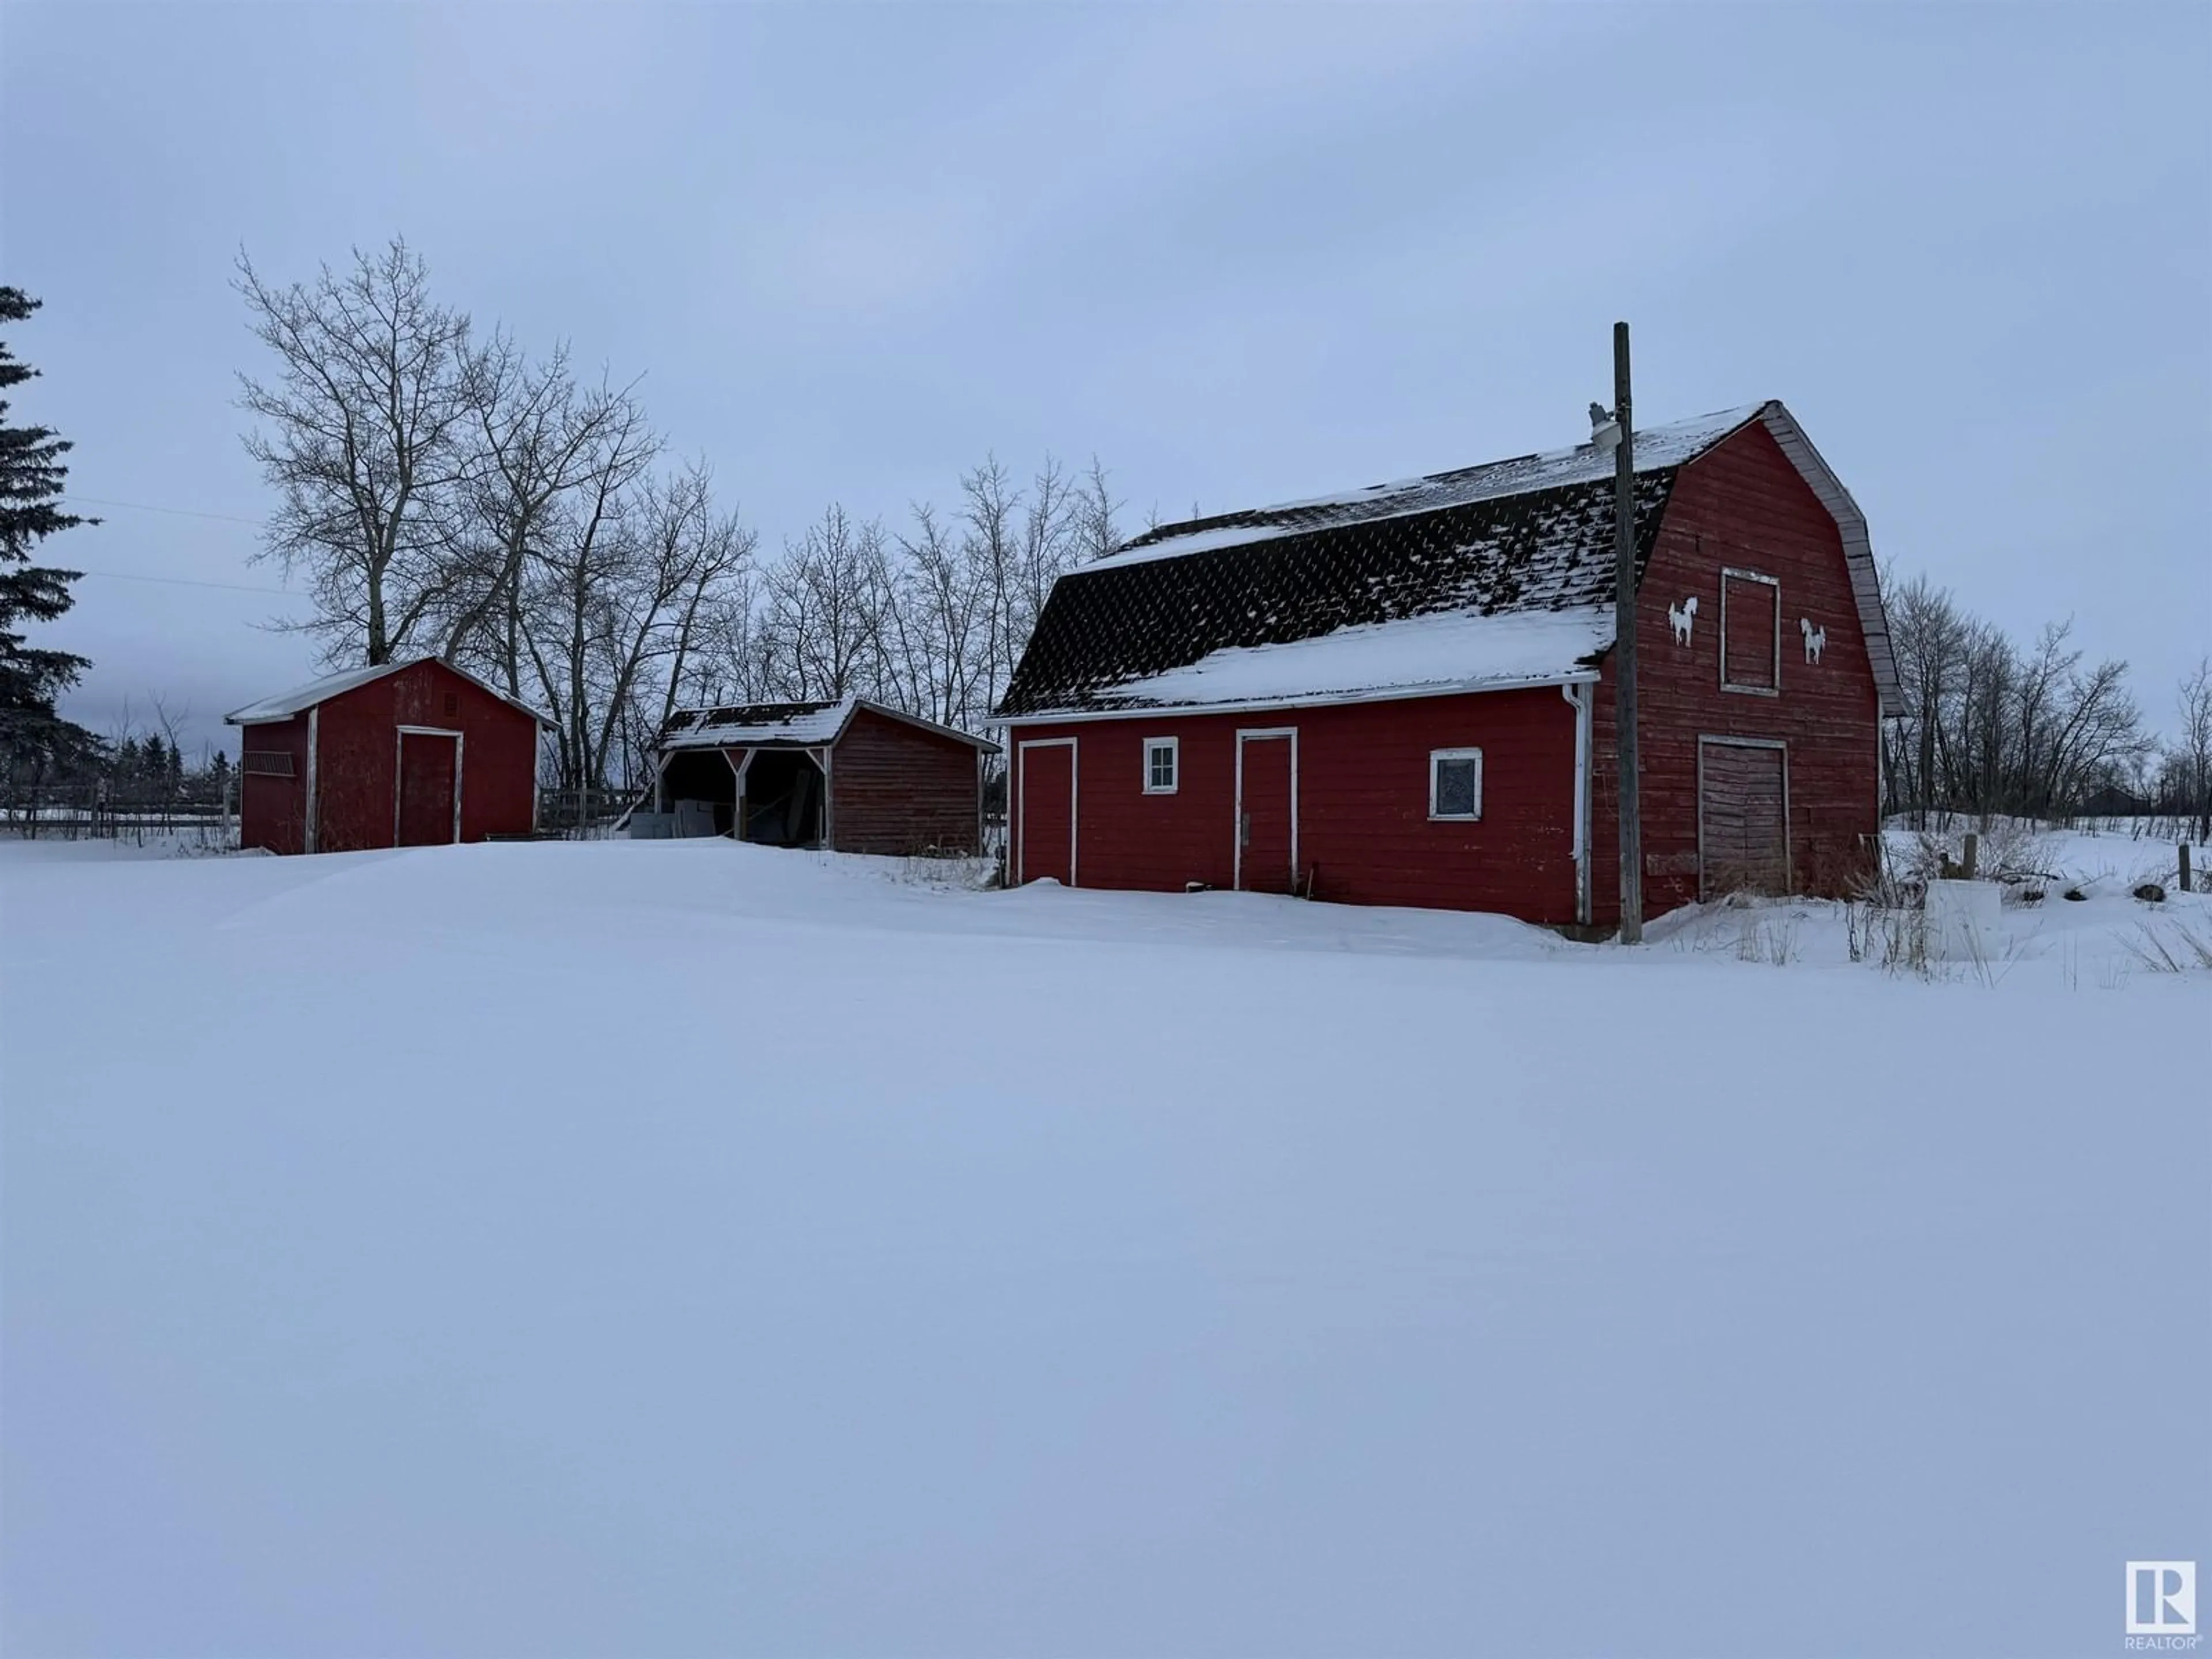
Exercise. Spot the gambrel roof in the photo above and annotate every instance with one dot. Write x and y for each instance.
(1471, 580)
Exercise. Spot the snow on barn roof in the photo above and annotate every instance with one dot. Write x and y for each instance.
(1485, 576)
(1661, 449)
(787, 724)
(301, 697)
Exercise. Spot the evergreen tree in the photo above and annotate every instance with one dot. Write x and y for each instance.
(35, 741)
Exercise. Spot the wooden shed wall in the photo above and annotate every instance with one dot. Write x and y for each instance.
(272, 812)
(897, 789)
(357, 756)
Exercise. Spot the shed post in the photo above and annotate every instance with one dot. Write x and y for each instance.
(1623, 649)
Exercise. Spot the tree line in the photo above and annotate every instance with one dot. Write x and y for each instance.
(444, 491)
(1988, 727)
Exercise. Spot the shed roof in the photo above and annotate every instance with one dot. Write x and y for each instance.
(1485, 576)
(788, 725)
(302, 698)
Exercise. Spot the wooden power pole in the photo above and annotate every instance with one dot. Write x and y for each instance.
(1624, 648)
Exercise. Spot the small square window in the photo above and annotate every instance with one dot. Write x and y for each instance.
(1160, 765)
(1455, 783)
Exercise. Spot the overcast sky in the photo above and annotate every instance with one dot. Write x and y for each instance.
(1240, 252)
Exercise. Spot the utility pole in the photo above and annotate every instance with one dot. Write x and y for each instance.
(1624, 648)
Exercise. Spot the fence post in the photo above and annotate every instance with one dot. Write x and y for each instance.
(2185, 866)
(1972, 856)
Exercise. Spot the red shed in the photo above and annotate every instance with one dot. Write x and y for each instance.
(404, 754)
(1403, 694)
(850, 775)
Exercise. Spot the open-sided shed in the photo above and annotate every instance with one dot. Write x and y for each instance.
(403, 754)
(849, 774)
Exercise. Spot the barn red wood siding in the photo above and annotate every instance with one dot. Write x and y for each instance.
(357, 753)
(272, 812)
(1364, 832)
(1742, 505)
(897, 789)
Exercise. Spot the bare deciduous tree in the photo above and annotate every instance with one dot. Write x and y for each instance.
(361, 435)
(1986, 728)
(537, 438)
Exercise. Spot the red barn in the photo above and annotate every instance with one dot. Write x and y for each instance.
(1404, 695)
(405, 754)
(852, 775)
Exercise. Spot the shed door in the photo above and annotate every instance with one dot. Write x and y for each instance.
(429, 769)
(1048, 812)
(1743, 817)
(1266, 811)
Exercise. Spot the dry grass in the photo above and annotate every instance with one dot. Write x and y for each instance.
(2171, 946)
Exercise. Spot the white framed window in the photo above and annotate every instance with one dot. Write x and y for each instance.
(1455, 784)
(1163, 765)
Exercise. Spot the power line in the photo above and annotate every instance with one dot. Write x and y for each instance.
(190, 582)
(174, 512)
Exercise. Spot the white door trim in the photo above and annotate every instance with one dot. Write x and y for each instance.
(310, 823)
(399, 769)
(1022, 800)
(1262, 734)
(1789, 870)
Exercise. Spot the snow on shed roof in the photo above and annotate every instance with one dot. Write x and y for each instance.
(302, 698)
(1186, 615)
(745, 724)
(790, 725)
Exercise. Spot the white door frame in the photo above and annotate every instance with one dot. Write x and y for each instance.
(1022, 800)
(310, 823)
(399, 770)
(1263, 734)
(1788, 870)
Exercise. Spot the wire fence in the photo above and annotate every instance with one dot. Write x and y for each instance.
(103, 812)
(576, 813)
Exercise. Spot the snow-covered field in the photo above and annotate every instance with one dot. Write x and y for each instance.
(679, 1248)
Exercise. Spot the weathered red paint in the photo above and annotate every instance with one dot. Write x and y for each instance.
(272, 812)
(1364, 835)
(356, 764)
(429, 768)
(1743, 506)
(1044, 793)
(1363, 829)
(1265, 781)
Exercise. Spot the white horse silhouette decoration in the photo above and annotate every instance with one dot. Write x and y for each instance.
(1679, 617)
(1816, 639)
